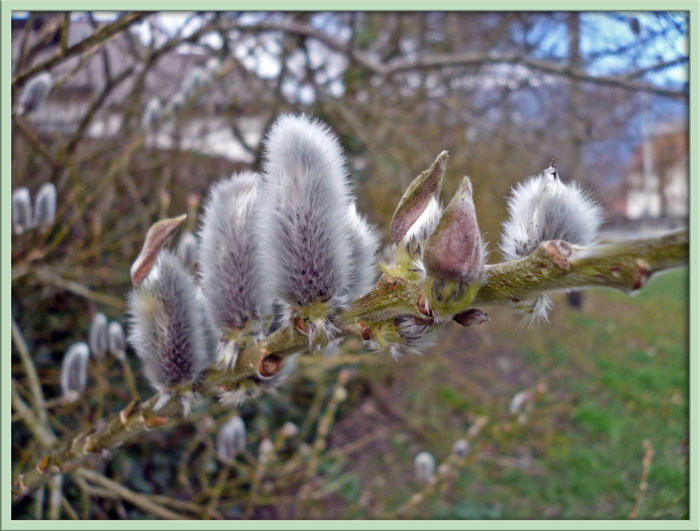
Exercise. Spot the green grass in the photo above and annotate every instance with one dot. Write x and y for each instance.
(616, 375)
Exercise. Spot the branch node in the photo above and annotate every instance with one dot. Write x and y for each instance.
(558, 251)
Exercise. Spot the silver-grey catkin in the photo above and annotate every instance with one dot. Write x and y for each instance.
(21, 210)
(424, 465)
(230, 440)
(35, 93)
(74, 371)
(305, 253)
(45, 207)
(165, 325)
(99, 337)
(227, 258)
(117, 340)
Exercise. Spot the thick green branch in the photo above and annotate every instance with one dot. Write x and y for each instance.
(554, 265)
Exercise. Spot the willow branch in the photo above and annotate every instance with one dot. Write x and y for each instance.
(554, 265)
(99, 37)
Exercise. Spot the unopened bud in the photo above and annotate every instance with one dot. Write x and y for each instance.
(74, 371)
(455, 250)
(417, 197)
(156, 237)
(99, 338)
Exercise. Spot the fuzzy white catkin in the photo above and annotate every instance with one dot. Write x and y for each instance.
(117, 341)
(230, 274)
(166, 330)
(99, 337)
(45, 206)
(74, 370)
(364, 244)
(424, 465)
(230, 440)
(544, 208)
(35, 93)
(305, 252)
(21, 210)
(461, 448)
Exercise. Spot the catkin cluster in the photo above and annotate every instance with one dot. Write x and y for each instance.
(287, 248)
(283, 246)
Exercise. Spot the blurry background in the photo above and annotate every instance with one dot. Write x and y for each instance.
(604, 94)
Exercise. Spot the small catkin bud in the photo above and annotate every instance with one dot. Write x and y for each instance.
(364, 244)
(117, 341)
(187, 249)
(45, 207)
(418, 211)
(424, 468)
(305, 254)
(230, 440)
(151, 114)
(461, 448)
(290, 430)
(230, 273)
(519, 400)
(35, 93)
(99, 337)
(455, 250)
(21, 210)
(74, 371)
(266, 451)
(166, 330)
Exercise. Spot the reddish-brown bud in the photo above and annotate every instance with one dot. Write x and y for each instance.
(455, 250)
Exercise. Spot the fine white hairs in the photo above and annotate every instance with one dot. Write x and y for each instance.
(166, 329)
(544, 208)
(305, 254)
